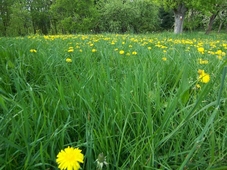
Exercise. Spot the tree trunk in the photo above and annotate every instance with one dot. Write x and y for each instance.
(219, 28)
(210, 23)
(179, 15)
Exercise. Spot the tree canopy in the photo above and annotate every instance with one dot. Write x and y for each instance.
(23, 17)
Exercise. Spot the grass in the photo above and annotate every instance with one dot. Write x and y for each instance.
(142, 109)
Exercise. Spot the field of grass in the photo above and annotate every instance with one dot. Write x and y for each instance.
(155, 101)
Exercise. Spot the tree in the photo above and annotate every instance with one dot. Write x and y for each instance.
(166, 17)
(127, 16)
(223, 18)
(179, 8)
(20, 22)
(40, 13)
(73, 16)
(5, 15)
(213, 8)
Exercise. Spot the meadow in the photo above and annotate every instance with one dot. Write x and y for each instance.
(155, 101)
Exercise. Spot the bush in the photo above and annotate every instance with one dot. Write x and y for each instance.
(130, 16)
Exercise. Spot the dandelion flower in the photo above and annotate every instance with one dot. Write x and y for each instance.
(121, 52)
(69, 158)
(68, 60)
(219, 57)
(198, 86)
(201, 61)
(70, 50)
(134, 53)
(164, 58)
(203, 77)
(201, 50)
(33, 51)
(93, 50)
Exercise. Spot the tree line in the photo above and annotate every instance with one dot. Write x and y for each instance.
(23, 17)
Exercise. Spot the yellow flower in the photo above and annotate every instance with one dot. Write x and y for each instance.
(201, 50)
(68, 60)
(69, 159)
(121, 52)
(201, 61)
(70, 50)
(33, 51)
(203, 77)
(134, 53)
(219, 57)
(164, 58)
(149, 48)
(93, 50)
(220, 53)
(198, 86)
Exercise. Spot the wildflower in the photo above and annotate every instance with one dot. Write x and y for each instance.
(203, 77)
(198, 86)
(69, 158)
(70, 50)
(218, 52)
(211, 52)
(33, 51)
(93, 50)
(130, 46)
(201, 50)
(201, 61)
(164, 58)
(134, 53)
(101, 161)
(68, 60)
(121, 52)
(149, 48)
(219, 57)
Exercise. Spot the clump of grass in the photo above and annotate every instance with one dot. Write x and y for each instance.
(140, 107)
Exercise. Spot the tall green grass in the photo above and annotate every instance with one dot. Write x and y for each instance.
(142, 112)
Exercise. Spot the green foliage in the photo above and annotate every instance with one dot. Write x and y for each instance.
(5, 15)
(167, 19)
(141, 111)
(20, 22)
(74, 16)
(194, 21)
(23, 17)
(129, 16)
